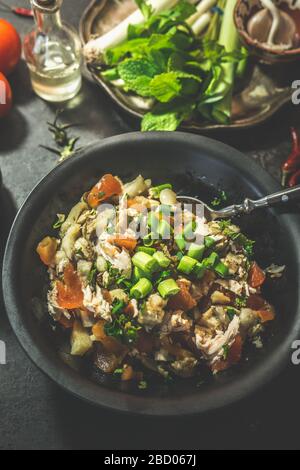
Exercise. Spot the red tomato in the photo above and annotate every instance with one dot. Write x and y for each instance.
(183, 300)
(5, 95)
(10, 47)
(69, 292)
(107, 187)
(256, 276)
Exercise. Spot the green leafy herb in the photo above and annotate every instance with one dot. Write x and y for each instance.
(240, 302)
(60, 220)
(143, 385)
(92, 277)
(231, 312)
(117, 306)
(145, 8)
(163, 60)
(122, 327)
(65, 144)
(226, 350)
(217, 201)
(118, 371)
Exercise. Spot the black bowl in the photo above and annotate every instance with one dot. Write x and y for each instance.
(196, 165)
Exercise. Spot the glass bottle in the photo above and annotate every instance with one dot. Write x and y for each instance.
(53, 54)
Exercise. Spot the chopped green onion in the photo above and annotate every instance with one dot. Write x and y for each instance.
(145, 262)
(146, 249)
(196, 251)
(222, 269)
(165, 230)
(187, 265)
(139, 274)
(117, 306)
(162, 260)
(199, 270)
(189, 230)
(153, 221)
(209, 242)
(179, 255)
(164, 209)
(101, 264)
(156, 190)
(212, 260)
(141, 289)
(149, 239)
(168, 288)
(180, 242)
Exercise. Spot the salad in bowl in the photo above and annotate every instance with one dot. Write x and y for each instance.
(145, 286)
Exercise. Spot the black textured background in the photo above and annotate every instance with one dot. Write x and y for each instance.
(34, 413)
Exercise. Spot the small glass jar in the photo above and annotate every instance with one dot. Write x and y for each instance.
(53, 54)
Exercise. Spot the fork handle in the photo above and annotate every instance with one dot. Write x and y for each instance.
(284, 195)
(250, 205)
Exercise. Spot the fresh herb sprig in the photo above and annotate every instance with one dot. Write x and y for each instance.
(185, 75)
(66, 145)
(122, 326)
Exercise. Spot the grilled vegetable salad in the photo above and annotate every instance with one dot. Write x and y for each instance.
(160, 302)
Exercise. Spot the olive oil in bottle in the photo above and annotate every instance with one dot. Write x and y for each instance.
(53, 54)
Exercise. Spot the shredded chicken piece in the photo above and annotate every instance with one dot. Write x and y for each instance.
(118, 260)
(95, 302)
(212, 347)
(201, 288)
(154, 311)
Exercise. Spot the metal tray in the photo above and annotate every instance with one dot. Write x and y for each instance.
(265, 91)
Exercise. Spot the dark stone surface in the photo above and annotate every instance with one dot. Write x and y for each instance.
(34, 413)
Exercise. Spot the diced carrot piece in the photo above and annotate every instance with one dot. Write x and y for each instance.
(107, 187)
(69, 292)
(128, 374)
(183, 300)
(132, 203)
(109, 343)
(266, 315)
(46, 250)
(256, 276)
(127, 243)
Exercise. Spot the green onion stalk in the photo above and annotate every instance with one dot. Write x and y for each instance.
(230, 40)
(217, 102)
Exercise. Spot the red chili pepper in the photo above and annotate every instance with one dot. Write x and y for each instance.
(22, 11)
(293, 162)
(18, 10)
(295, 179)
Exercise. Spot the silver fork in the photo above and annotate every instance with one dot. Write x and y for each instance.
(247, 206)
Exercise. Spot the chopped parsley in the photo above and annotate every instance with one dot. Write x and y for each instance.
(117, 306)
(122, 327)
(237, 237)
(92, 277)
(162, 276)
(231, 312)
(217, 201)
(143, 385)
(240, 302)
(226, 350)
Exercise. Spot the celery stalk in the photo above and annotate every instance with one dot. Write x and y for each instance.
(229, 39)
